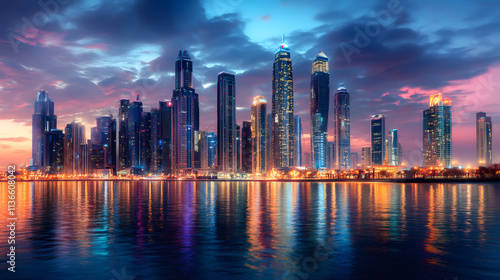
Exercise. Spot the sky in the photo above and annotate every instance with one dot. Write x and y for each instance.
(390, 55)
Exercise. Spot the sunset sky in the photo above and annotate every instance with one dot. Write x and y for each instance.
(90, 54)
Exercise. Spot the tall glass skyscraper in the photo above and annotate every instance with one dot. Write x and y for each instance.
(75, 148)
(377, 136)
(185, 117)
(437, 132)
(166, 136)
(124, 152)
(297, 141)
(103, 143)
(134, 129)
(483, 139)
(282, 111)
(246, 147)
(54, 152)
(320, 101)
(43, 121)
(259, 115)
(393, 148)
(226, 122)
(342, 129)
(269, 141)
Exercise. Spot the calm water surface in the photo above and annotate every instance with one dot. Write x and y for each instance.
(253, 230)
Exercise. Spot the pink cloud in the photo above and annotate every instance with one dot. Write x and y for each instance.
(14, 139)
(266, 18)
(99, 46)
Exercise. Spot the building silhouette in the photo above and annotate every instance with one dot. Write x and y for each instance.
(246, 147)
(227, 153)
(377, 139)
(484, 133)
(342, 129)
(43, 120)
(259, 135)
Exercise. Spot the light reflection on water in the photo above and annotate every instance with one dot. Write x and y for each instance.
(254, 230)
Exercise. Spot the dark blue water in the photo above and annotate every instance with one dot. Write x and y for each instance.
(220, 230)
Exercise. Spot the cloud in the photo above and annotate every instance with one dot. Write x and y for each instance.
(14, 139)
(266, 18)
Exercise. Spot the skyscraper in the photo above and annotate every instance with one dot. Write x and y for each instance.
(377, 136)
(282, 111)
(259, 137)
(342, 129)
(366, 156)
(124, 152)
(75, 148)
(238, 148)
(269, 142)
(103, 144)
(134, 129)
(437, 132)
(226, 123)
(166, 136)
(483, 139)
(393, 148)
(54, 152)
(44, 120)
(212, 148)
(185, 117)
(146, 163)
(297, 141)
(320, 101)
(330, 155)
(246, 147)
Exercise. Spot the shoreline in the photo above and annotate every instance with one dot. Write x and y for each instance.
(403, 180)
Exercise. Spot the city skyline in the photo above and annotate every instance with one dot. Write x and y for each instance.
(90, 92)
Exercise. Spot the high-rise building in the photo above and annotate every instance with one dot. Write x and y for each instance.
(212, 149)
(282, 111)
(238, 148)
(44, 120)
(330, 155)
(134, 133)
(75, 148)
(366, 157)
(145, 142)
(124, 152)
(377, 136)
(246, 147)
(297, 141)
(226, 122)
(166, 136)
(437, 132)
(393, 148)
(483, 139)
(54, 152)
(203, 143)
(320, 102)
(269, 142)
(354, 159)
(185, 117)
(342, 129)
(259, 137)
(103, 144)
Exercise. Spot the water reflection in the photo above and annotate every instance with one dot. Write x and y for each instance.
(255, 230)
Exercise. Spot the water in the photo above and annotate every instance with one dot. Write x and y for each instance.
(253, 230)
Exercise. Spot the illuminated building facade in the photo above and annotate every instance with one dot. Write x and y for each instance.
(43, 121)
(366, 157)
(437, 132)
(103, 144)
(185, 117)
(259, 130)
(483, 139)
(282, 109)
(226, 123)
(246, 147)
(123, 135)
(342, 129)
(75, 148)
(297, 141)
(377, 137)
(54, 152)
(319, 104)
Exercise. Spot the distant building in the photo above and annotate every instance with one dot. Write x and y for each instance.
(437, 132)
(226, 123)
(297, 141)
(165, 136)
(246, 147)
(54, 152)
(44, 120)
(342, 129)
(354, 160)
(269, 142)
(146, 163)
(393, 148)
(366, 156)
(238, 148)
(282, 110)
(483, 139)
(124, 152)
(134, 132)
(259, 137)
(212, 149)
(377, 133)
(103, 144)
(319, 104)
(75, 148)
